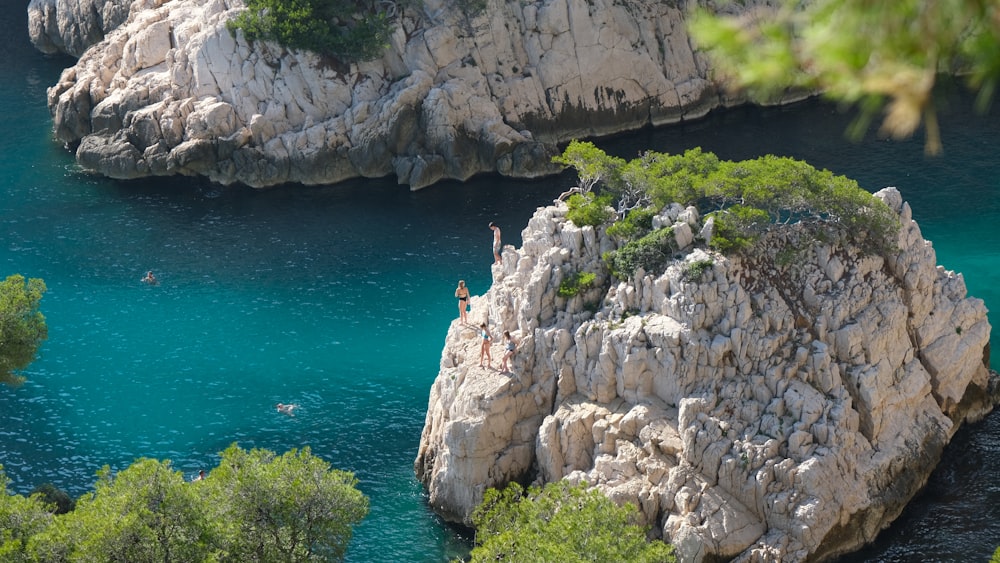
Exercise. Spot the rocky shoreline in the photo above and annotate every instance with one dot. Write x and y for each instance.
(768, 410)
(162, 88)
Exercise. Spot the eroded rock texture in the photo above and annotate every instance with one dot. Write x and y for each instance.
(171, 91)
(781, 406)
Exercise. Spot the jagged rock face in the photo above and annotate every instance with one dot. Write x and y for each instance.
(171, 91)
(783, 406)
(70, 26)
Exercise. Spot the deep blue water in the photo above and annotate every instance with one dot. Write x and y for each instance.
(338, 298)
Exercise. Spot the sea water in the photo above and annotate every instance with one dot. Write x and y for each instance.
(338, 298)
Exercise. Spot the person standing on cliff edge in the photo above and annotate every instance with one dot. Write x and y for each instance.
(462, 293)
(496, 243)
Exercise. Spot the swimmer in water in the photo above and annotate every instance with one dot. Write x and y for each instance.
(286, 409)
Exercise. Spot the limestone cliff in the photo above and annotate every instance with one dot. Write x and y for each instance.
(783, 405)
(63, 26)
(171, 91)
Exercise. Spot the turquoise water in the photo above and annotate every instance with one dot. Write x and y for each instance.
(339, 298)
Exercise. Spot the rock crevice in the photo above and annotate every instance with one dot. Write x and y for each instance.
(782, 405)
(162, 88)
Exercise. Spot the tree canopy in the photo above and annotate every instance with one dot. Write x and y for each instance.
(560, 523)
(351, 30)
(746, 198)
(255, 506)
(22, 325)
(882, 54)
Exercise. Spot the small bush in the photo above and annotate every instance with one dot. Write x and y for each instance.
(636, 224)
(561, 522)
(573, 285)
(738, 227)
(695, 270)
(651, 253)
(351, 31)
(589, 209)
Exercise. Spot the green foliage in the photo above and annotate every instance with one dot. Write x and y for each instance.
(748, 197)
(651, 252)
(589, 209)
(560, 523)
(677, 178)
(738, 227)
(860, 52)
(576, 283)
(144, 513)
(996, 556)
(256, 506)
(695, 270)
(351, 30)
(22, 326)
(52, 495)
(20, 519)
(288, 507)
(591, 163)
(636, 223)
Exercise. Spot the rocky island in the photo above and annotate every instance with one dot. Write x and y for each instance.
(758, 407)
(162, 88)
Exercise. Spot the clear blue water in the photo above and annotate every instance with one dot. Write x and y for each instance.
(338, 299)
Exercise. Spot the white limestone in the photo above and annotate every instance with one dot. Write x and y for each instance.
(451, 97)
(761, 413)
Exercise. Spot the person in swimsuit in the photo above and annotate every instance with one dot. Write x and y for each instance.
(496, 243)
(286, 409)
(462, 293)
(510, 346)
(484, 350)
(150, 278)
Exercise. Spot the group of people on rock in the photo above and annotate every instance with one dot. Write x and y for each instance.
(462, 294)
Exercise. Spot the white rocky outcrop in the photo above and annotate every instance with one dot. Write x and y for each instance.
(71, 26)
(784, 405)
(171, 91)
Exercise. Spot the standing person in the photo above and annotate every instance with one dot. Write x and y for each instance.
(496, 243)
(510, 346)
(462, 293)
(484, 350)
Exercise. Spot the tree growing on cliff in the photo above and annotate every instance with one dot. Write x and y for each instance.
(346, 29)
(22, 325)
(746, 198)
(291, 507)
(873, 54)
(20, 519)
(256, 506)
(560, 523)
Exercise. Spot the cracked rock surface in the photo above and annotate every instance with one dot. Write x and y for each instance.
(784, 406)
(162, 87)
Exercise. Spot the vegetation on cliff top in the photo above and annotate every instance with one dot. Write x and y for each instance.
(560, 523)
(22, 325)
(745, 199)
(350, 30)
(255, 506)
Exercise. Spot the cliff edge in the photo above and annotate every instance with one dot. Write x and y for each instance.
(171, 91)
(782, 405)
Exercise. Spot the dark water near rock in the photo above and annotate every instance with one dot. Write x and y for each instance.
(338, 298)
